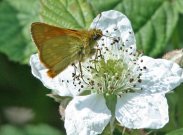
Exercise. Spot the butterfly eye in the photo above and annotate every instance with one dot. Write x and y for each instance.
(96, 37)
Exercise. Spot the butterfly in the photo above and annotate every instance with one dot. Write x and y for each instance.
(60, 47)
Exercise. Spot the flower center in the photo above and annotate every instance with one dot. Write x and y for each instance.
(113, 77)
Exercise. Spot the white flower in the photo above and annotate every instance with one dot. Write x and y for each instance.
(139, 82)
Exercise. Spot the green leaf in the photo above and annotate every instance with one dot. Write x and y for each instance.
(175, 110)
(74, 14)
(172, 103)
(100, 5)
(153, 21)
(15, 39)
(179, 109)
(176, 132)
(10, 130)
(179, 4)
(41, 129)
(177, 40)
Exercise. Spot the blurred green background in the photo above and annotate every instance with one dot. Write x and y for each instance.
(24, 107)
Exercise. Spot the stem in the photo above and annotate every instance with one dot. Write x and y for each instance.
(112, 125)
(142, 132)
(123, 132)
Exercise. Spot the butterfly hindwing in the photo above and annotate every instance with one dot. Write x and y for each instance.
(58, 53)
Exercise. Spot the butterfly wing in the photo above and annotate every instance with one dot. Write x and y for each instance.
(57, 47)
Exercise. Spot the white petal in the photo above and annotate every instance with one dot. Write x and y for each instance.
(142, 111)
(62, 84)
(109, 21)
(160, 75)
(86, 115)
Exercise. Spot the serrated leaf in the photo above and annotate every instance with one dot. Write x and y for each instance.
(176, 132)
(153, 21)
(16, 17)
(75, 14)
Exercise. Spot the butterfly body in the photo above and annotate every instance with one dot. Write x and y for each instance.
(60, 47)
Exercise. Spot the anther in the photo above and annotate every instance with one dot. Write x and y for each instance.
(73, 74)
(131, 80)
(139, 80)
(115, 40)
(115, 29)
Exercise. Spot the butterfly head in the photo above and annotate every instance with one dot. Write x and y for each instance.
(96, 34)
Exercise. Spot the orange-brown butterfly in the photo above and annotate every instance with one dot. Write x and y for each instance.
(60, 47)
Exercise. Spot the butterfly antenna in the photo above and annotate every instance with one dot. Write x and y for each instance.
(113, 38)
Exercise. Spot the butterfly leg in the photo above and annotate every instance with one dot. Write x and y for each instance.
(98, 55)
(80, 69)
(75, 73)
(81, 72)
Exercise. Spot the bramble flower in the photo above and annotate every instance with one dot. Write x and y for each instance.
(118, 82)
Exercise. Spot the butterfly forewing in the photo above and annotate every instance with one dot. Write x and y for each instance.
(57, 47)
(42, 32)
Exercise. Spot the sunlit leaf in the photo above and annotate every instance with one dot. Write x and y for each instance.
(179, 4)
(16, 17)
(67, 13)
(100, 5)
